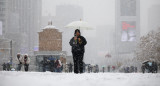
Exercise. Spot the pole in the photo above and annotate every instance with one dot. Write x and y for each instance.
(11, 52)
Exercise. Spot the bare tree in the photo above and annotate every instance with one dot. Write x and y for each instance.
(149, 47)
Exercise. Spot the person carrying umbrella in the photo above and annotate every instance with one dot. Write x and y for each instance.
(77, 43)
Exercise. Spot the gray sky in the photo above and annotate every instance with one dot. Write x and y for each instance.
(96, 12)
(100, 12)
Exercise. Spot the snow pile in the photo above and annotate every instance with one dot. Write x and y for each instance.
(71, 79)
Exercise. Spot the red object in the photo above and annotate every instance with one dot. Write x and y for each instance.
(107, 55)
(125, 26)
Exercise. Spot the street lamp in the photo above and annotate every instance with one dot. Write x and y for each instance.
(11, 52)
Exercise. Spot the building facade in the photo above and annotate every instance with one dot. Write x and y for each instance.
(50, 39)
(50, 47)
(127, 27)
(24, 17)
(3, 15)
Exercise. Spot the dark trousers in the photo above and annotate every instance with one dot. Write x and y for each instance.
(58, 69)
(70, 69)
(4, 68)
(26, 66)
(52, 69)
(78, 62)
(19, 67)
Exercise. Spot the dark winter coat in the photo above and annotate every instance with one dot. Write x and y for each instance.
(78, 47)
(4, 66)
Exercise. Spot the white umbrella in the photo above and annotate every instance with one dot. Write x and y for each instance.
(79, 25)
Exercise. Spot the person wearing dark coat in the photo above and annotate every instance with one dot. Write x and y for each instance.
(70, 67)
(89, 69)
(8, 66)
(58, 66)
(26, 61)
(45, 63)
(52, 66)
(4, 66)
(78, 43)
(155, 67)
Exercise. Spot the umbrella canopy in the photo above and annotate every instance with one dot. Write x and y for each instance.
(79, 25)
(51, 58)
(145, 62)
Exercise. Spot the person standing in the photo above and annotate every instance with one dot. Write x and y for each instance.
(52, 66)
(70, 67)
(103, 69)
(19, 58)
(97, 69)
(109, 68)
(150, 66)
(77, 43)
(26, 61)
(4, 66)
(89, 69)
(8, 66)
(58, 65)
(45, 63)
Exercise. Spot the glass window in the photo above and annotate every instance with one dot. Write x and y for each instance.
(128, 31)
(128, 7)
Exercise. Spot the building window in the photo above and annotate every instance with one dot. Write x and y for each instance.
(128, 7)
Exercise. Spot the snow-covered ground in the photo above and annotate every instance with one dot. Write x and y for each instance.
(71, 79)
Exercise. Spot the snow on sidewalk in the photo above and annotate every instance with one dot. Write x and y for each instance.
(71, 79)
